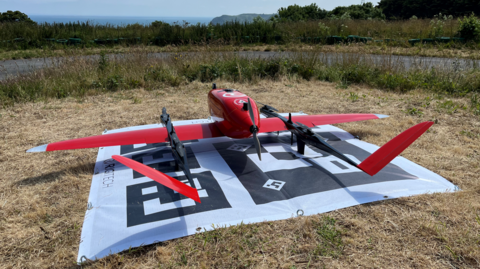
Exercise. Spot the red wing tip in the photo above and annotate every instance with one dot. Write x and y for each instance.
(41, 148)
(368, 172)
(196, 198)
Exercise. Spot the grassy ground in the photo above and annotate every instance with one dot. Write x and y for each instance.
(43, 197)
(439, 50)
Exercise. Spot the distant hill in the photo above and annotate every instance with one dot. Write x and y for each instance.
(241, 18)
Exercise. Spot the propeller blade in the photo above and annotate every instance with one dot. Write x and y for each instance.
(250, 111)
(254, 131)
(257, 145)
(159, 177)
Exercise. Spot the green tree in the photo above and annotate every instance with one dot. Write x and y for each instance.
(158, 23)
(258, 19)
(15, 16)
(298, 13)
(358, 12)
(405, 9)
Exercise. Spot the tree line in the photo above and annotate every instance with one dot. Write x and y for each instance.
(386, 9)
(313, 12)
(405, 9)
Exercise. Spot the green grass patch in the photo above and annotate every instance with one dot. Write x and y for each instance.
(331, 243)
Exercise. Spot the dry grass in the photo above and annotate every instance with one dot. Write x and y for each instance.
(43, 197)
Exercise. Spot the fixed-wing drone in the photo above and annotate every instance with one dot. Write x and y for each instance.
(237, 116)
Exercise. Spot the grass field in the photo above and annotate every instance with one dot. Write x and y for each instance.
(43, 197)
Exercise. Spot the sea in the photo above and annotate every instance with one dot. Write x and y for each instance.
(118, 20)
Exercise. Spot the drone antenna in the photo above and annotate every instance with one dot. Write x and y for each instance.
(214, 86)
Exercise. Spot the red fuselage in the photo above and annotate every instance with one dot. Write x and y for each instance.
(230, 114)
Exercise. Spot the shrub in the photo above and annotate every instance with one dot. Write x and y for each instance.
(400, 82)
(113, 82)
(103, 61)
(436, 25)
(209, 72)
(469, 27)
(475, 104)
(165, 75)
(323, 29)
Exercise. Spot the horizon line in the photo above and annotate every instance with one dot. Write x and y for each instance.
(136, 16)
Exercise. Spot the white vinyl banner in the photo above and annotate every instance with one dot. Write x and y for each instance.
(127, 209)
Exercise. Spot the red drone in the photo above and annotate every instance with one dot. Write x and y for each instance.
(237, 116)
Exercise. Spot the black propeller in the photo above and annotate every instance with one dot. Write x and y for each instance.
(254, 130)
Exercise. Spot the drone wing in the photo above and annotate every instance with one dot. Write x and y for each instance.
(159, 177)
(147, 136)
(275, 124)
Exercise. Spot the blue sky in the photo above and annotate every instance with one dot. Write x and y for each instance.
(163, 8)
